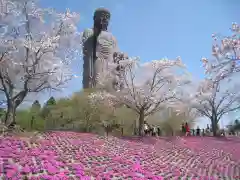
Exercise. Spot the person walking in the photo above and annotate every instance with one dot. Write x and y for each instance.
(198, 131)
(193, 132)
(208, 130)
(159, 131)
(183, 129)
(154, 131)
(146, 128)
(187, 130)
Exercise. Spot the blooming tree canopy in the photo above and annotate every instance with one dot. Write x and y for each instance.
(148, 87)
(216, 97)
(226, 53)
(218, 94)
(36, 49)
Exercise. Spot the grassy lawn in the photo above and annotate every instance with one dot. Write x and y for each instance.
(67, 155)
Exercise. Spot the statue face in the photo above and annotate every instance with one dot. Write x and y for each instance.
(101, 19)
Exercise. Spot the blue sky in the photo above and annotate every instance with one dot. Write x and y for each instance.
(153, 29)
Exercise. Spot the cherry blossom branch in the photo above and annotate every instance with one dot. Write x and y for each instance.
(37, 58)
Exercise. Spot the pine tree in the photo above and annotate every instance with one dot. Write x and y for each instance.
(46, 108)
(36, 105)
(51, 101)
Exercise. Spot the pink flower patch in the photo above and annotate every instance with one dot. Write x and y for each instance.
(60, 155)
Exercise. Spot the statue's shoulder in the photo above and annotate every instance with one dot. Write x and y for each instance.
(87, 32)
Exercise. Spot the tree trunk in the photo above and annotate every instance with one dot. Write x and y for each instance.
(32, 119)
(13, 103)
(214, 125)
(87, 124)
(11, 112)
(141, 123)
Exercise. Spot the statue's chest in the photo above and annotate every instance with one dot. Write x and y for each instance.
(105, 40)
(103, 44)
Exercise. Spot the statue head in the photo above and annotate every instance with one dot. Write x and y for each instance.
(101, 18)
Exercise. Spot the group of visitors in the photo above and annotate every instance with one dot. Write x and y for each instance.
(156, 131)
(198, 132)
(151, 130)
(194, 132)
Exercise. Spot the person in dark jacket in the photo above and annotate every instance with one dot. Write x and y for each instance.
(158, 131)
(198, 131)
(183, 129)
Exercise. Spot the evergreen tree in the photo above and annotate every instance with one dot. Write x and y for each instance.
(46, 108)
(2, 112)
(36, 106)
(236, 125)
(51, 101)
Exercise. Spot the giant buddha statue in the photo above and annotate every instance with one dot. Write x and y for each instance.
(99, 46)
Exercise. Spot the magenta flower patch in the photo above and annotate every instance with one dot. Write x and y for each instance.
(66, 155)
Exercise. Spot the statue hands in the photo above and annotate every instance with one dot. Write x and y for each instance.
(119, 56)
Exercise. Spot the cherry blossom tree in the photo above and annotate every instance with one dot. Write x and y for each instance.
(36, 50)
(215, 98)
(226, 54)
(218, 95)
(147, 88)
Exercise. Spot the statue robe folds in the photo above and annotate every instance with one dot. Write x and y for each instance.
(96, 68)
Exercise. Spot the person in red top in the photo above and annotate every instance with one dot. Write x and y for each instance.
(187, 129)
